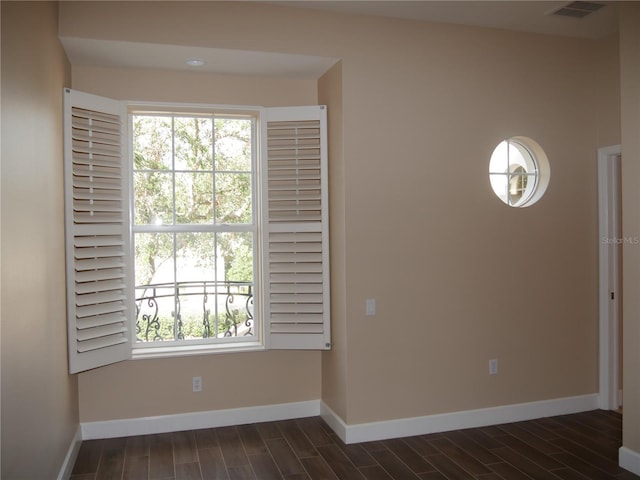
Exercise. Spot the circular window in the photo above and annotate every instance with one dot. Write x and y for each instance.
(519, 171)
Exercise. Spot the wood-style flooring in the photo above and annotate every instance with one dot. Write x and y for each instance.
(570, 447)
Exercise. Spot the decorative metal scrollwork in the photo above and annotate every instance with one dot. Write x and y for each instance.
(173, 311)
(149, 323)
(206, 326)
(178, 318)
(249, 309)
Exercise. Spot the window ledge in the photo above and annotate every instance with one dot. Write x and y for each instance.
(140, 353)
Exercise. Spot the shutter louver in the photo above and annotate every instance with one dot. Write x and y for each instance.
(297, 257)
(96, 214)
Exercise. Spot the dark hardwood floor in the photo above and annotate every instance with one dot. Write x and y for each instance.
(570, 447)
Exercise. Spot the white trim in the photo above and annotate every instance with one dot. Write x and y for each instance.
(195, 420)
(348, 433)
(629, 460)
(72, 454)
(608, 366)
(405, 427)
(334, 421)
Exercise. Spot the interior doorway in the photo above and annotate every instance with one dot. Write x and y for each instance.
(610, 260)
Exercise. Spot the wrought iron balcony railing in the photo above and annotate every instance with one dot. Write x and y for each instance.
(190, 310)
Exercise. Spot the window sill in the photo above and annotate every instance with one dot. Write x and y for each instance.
(140, 353)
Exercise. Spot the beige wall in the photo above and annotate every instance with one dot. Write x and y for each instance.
(630, 94)
(334, 362)
(144, 388)
(39, 398)
(459, 278)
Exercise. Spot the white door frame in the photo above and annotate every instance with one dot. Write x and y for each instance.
(610, 241)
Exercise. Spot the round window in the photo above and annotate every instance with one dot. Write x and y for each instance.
(519, 171)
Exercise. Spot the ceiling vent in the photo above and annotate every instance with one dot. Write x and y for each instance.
(578, 9)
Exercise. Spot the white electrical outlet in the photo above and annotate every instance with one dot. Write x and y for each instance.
(493, 366)
(370, 306)
(197, 384)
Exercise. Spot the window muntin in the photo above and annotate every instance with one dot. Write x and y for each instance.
(194, 228)
(518, 171)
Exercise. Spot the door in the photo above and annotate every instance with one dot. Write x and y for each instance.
(610, 255)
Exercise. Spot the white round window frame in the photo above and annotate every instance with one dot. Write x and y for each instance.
(532, 153)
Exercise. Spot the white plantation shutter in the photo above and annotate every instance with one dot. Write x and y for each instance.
(97, 231)
(296, 229)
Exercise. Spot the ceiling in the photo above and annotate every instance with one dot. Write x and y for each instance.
(527, 16)
(120, 54)
(519, 15)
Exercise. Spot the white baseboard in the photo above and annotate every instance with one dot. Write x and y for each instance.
(70, 458)
(192, 421)
(406, 427)
(629, 460)
(363, 432)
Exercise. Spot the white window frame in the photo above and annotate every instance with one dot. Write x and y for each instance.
(537, 171)
(298, 330)
(211, 345)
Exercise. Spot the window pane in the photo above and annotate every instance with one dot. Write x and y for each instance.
(236, 250)
(233, 198)
(500, 184)
(196, 257)
(153, 198)
(524, 157)
(152, 140)
(155, 288)
(195, 275)
(499, 162)
(194, 197)
(233, 144)
(154, 258)
(517, 185)
(236, 309)
(193, 143)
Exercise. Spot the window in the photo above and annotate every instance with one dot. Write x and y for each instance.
(193, 227)
(519, 171)
(223, 212)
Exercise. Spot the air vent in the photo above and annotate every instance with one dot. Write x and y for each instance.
(578, 9)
